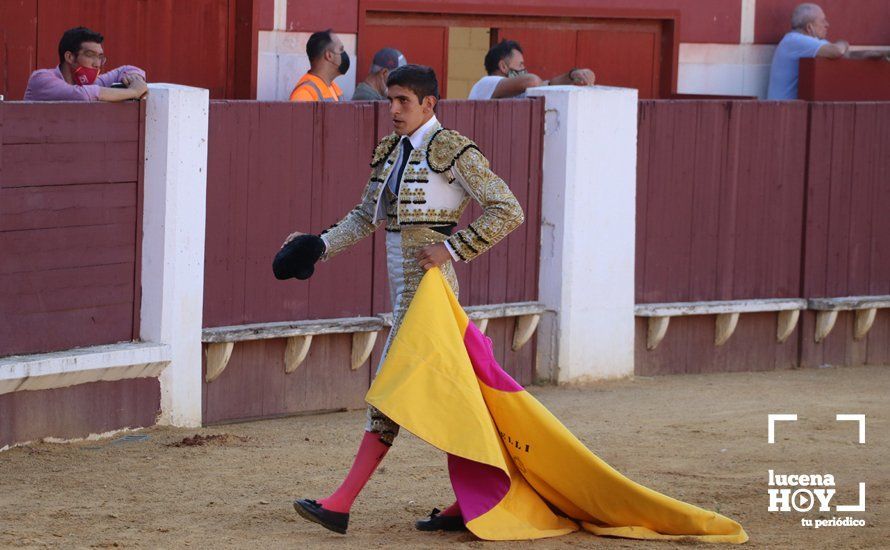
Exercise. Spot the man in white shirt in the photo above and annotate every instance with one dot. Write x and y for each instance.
(508, 77)
(809, 27)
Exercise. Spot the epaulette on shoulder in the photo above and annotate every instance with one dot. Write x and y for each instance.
(445, 147)
(384, 148)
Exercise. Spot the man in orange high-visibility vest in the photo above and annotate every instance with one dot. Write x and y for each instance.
(328, 59)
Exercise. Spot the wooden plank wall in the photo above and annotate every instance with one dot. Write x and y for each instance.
(278, 167)
(70, 201)
(719, 217)
(848, 227)
(78, 411)
(743, 200)
(69, 189)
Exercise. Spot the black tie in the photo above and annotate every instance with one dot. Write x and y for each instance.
(406, 152)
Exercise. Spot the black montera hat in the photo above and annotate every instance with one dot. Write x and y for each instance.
(297, 258)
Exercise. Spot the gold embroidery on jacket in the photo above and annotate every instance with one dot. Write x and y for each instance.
(384, 148)
(445, 147)
(501, 211)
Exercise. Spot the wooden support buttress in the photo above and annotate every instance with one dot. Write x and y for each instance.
(658, 327)
(725, 326)
(524, 329)
(218, 355)
(296, 352)
(865, 318)
(786, 324)
(362, 345)
(824, 323)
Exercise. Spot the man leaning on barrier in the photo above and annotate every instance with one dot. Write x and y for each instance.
(79, 77)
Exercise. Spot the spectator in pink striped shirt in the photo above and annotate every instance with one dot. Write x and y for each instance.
(77, 77)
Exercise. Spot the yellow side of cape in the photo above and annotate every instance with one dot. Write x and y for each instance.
(439, 383)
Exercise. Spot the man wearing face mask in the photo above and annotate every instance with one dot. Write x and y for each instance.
(79, 75)
(328, 59)
(373, 88)
(508, 77)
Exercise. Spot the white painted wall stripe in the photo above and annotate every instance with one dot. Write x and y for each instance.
(279, 21)
(749, 9)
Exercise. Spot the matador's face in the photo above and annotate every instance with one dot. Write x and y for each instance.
(407, 111)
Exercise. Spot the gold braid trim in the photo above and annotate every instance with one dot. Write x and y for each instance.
(445, 147)
(384, 148)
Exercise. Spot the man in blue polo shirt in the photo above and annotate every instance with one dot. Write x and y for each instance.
(809, 27)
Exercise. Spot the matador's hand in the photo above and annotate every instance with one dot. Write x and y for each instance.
(432, 256)
(291, 237)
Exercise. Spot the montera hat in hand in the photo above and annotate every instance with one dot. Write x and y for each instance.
(297, 258)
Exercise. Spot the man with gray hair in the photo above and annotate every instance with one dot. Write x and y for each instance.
(809, 27)
(373, 88)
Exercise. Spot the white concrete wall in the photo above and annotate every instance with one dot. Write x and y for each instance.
(173, 242)
(588, 212)
(724, 69)
(283, 61)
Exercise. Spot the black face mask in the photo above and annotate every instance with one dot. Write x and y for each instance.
(344, 63)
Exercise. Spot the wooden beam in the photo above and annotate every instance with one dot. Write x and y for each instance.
(362, 345)
(267, 331)
(296, 352)
(725, 326)
(218, 355)
(497, 311)
(850, 303)
(481, 324)
(524, 329)
(658, 327)
(678, 309)
(786, 324)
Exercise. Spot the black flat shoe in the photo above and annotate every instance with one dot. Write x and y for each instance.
(438, 522)
(311, 510)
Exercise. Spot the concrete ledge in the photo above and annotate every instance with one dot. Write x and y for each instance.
(727, 312)
(286, 329)
(677, 309)
(80, 366)
(850, 303)
(866, 308)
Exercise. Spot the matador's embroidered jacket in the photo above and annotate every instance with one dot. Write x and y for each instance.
(443, 173)
(442, 176)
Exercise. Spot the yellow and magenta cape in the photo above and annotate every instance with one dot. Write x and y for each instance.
(517, 472)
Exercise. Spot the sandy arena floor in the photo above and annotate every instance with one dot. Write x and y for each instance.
(700, 438)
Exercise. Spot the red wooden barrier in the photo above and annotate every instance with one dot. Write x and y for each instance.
(746, 200)
(278, 167)
(69, 193)
(844, 80)
(848, 229)
(719, 217)
(78, 411)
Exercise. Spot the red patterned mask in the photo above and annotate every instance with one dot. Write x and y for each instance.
(84, 76)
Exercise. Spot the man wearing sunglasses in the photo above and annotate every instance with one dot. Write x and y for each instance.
(78, 78)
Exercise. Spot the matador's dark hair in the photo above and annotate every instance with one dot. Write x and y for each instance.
(420, 79)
